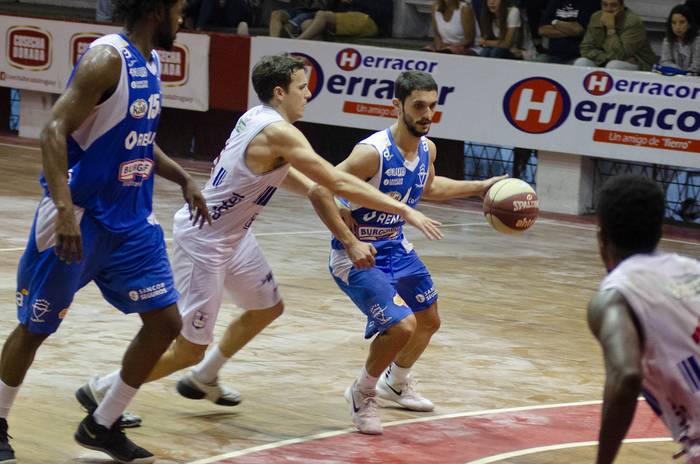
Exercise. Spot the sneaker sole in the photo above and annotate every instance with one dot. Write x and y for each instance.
(97, 448)
(9, 461)
(194, 393)
(89, 405)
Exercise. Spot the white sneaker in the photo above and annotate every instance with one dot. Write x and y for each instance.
(405, 395)
(191, 388)
(363, 408)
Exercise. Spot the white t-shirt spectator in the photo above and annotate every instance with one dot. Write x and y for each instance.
(513, 20)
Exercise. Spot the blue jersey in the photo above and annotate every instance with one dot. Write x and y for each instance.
(110, 156)
(402, 180)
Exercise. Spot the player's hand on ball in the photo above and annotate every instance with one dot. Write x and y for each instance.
(361, 254)
(196, 203)
(429, 227)
(489, 182)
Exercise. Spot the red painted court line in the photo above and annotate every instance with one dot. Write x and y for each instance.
(456, 440)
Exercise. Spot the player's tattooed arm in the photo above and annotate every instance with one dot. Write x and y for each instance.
(611, 321)
(94, 80)
(169, 169)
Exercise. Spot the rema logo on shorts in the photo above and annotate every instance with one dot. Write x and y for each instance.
(537, 105)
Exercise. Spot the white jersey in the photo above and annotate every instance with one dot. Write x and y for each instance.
(663, 290)
(234, 194)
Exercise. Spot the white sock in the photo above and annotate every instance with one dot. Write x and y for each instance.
(366, 382)
(114, 403)
(208, 370)
(397, 375)
(103, 383)
(7, 397)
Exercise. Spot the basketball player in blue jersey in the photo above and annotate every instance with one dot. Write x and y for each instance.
(95, 222)
(397, 294)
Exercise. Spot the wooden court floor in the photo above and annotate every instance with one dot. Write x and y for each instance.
(513, 335)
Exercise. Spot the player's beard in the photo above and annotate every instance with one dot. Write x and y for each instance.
(412, 128)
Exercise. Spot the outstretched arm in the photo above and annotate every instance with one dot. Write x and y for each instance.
(611, 320)
(169, 169)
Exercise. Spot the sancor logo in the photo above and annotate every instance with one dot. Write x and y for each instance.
(79, 44)
(174, 65)
(598, 83)
(314, 74)
(536, 105)
(29, 48)
(348, 59)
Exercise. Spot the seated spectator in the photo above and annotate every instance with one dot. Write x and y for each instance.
(104, 11)
(563, 23)
(533, 10)
(681, 46)
(501, 27)
(207, 14)
(454, 28)
(350, 18)
(287, 22)
(615, 38)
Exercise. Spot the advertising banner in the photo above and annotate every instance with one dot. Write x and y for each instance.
(632, 116)
(39, 54)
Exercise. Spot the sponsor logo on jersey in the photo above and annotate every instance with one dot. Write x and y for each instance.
(386, 153)
(139, 84)
(139, 71)
(174, 65)
(147, 293)
(40, 308)
(80, 43)
(426, 295)
(139, 139)
(138, 108)
(225, 205)
(62, 313)
(28, 47)
(422, 176)
(378, 233)
(398, 301)
(199, 321)
(393, 182)
(19, 296)
(250, 221)
(134, 172)
(395, 171)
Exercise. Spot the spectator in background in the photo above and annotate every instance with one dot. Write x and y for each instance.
(694, 6)
(563, 23)
(454, 28)
(681, 46)
(501, 28)
(207, 14)
(533, 10)
(616, 38)
(288, 21)
(104, 11)
(350, 18)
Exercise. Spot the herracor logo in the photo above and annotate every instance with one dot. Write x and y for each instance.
(536, 105)
(79, 44)
(598, 83)
(28, 48)
(348, 59)
(314, 74)
(174, 65)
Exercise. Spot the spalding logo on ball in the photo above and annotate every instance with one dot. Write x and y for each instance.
(511, 206)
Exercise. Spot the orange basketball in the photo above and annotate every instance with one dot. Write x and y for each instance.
(511, 206)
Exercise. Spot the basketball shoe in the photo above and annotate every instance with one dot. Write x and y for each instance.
(363, 408)
(7, 454)
(404, 395)
(89, 398)
(112, 441)
(191, 388)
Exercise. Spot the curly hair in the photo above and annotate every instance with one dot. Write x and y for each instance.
(631, 212)
(274, 71)
(130, 11)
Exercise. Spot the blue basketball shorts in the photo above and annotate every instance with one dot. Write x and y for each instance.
(396, 287)
(130, 268)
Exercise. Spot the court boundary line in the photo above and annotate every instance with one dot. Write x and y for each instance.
(334, 433)
(543, 449)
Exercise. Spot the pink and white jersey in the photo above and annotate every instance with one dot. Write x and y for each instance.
(663, 290)
(234, 194)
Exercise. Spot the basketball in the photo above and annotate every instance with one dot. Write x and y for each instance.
(511, 206)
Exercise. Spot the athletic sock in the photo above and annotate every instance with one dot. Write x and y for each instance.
(103, 383)
(114, 403)
(7, 397)
(207, 371)
(366, 382)
(397, 375)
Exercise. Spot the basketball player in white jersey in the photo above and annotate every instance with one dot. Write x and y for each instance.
(262, 153)
(646, 317)
(397, 295)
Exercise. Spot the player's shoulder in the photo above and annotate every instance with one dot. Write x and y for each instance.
(99, 60)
